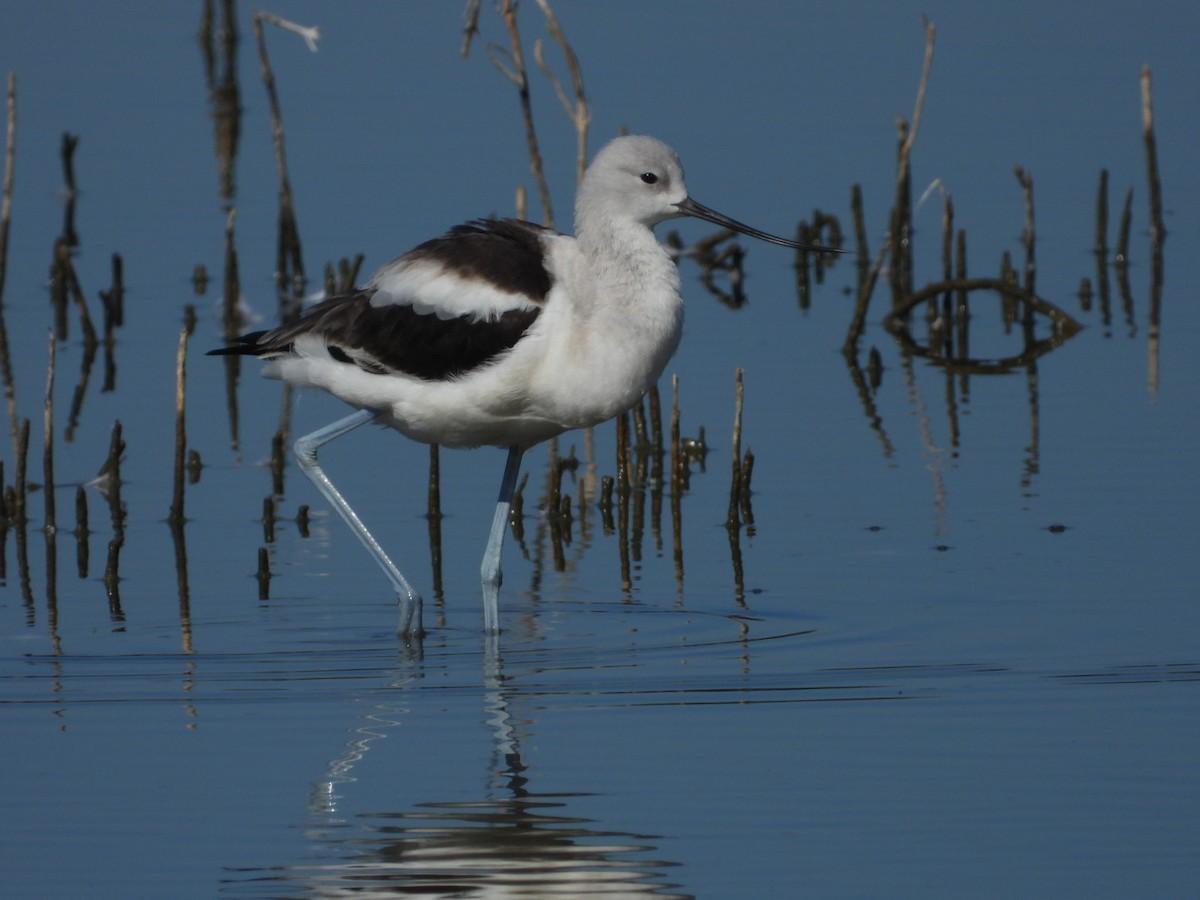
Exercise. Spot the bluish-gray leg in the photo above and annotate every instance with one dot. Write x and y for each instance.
(306, 454)
(490, 569)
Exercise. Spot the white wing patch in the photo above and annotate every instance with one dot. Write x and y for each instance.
(429, 287)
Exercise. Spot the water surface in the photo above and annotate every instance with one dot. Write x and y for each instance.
(953, 655)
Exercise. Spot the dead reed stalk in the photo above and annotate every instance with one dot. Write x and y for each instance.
(579, 111)
(48, 439)
(263, 574)
(1028, 234)
(113, 301)
(900, 230)
(868, 275)
(10, 158)
(289, 264)
(1158, 231)
(20, 476)
(511, 63)
(67, 153)
(433, 514)
(90, 341)
(268, 519)
(735, 484)
(180, 467)
(676, 448)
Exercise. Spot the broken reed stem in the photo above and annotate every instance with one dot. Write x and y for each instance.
(471, 14)
(860, 234)
(58, 285)
(863, 296)
(110, 472)
(114, 297)
(962, 300)
(623, 454)
(433, 512)
(90, 342)
(656, 436)
(113, 302)
(283, 438)
(288, 246)
(180, 430)
(735, 486)
(82, 550)
(947, 237)
(268, 519)
(1121, 257)
(862, 301)
(264, 574)
(231, 316)
(69, 143)
(81, 512)
(641, 439)
(579, 112)
(1027, 233)
(48, 439)
(900, 232)
(20, 476)
(10, 157)
(112, 577)
(1158, 230)
(518, 75)
(1101, 248)
(919, 105)
(676, 453)
(433, 503)
(744, 498)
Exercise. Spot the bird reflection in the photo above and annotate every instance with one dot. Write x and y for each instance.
(512, 838)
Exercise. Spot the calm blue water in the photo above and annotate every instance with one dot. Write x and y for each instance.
(954, 655)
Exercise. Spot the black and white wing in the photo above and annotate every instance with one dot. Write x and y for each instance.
(442, 309)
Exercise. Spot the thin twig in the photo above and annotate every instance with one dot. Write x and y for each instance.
(919, 105)
(48, 439)
(69, 143)
(735, 485)
(20, 476)
(1101, 248)
(10, 156)
(10, 391)
(517, 74)
(90, 341)
(288, 248)
(579, 112)
(1158, 230)
(310, 33)
(471, 14)
(180, 429)
(900, 231)
(1027, 234)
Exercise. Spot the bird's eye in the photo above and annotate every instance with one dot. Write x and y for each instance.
(649, 178)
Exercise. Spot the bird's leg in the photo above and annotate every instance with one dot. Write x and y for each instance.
(306, 454)
(490, 569)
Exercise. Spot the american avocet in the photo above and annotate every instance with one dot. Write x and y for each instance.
(502, 332)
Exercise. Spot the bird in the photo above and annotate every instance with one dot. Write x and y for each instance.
(502, 332)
